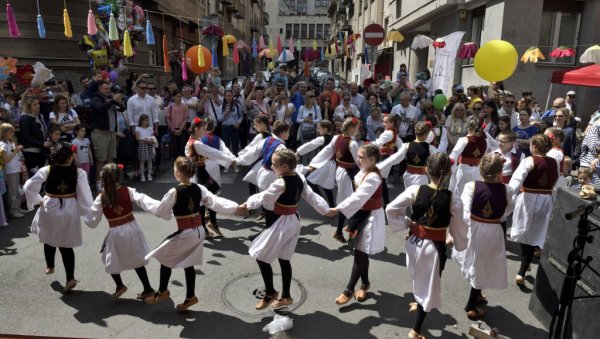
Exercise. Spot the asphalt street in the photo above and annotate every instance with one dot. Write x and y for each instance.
(32, 303)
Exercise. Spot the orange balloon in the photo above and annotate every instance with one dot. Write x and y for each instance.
(191, 59)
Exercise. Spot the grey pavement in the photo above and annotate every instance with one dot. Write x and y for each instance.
(227, 283)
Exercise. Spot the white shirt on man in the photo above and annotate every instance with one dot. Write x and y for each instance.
(192, 111)
(408, 116)
(341, 112)
(136, 106)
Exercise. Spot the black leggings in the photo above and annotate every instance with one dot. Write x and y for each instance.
(190, 280)
(286, 277)
(421, 314)
(341, 222)
(141, 273)
(385, 193)
(472, 302)
(526, 258)
(360, 269)
(328, 193)
(68, 256)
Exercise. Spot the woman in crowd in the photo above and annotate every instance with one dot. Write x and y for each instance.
(490, 118)
(64, 116)
(33, 134)
(456, 125)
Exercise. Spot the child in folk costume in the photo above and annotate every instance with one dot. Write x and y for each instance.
(281, 236)
(416, 154)
(485, 203)
(125, 246)
(432, 211)
(467, 154)
(57, 222)
(510, 154)
(323, 176)
(536, 178)
(183, 249)
(261, 125)
(364, 208)
(343, 150)
(207, 151)
(389, 143)
(438, 136)
(557, 136)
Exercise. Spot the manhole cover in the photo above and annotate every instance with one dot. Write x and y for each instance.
(243, 293)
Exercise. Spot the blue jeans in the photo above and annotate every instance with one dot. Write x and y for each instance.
(231, 138)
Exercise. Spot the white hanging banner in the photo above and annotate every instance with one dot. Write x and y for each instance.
(445, 58)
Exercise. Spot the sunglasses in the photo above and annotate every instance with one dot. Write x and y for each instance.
(509, 102)
(558, 116)
(477, 108)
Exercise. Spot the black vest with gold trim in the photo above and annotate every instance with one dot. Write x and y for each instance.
(287, 203)
(416, 157)
(61, 181)
(187, 206)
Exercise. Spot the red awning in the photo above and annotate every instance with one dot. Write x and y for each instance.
(581, 76)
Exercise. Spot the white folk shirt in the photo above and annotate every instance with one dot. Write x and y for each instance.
(136, 106)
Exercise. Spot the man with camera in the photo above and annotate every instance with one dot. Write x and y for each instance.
(103, 122)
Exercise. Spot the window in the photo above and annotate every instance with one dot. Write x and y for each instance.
(301, 7)
(398, 9)
(559, 29)
(321, 3)
(311, 31)
(288, 30)
(320, 31)
(478, 17)
(326, 31)
(296, 33)
(303, 31)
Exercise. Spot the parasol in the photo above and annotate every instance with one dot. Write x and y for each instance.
(213, 30)
(591, 54)
(421, 41)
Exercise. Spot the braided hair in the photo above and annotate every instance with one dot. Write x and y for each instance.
(490, 166)
(474, 125)
(438, 167)
(111, 175)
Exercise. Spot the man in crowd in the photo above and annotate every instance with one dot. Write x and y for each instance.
(548, 116)
(508, 109)
(329, 91)
(103, 122)
(192, 103)
(570, 101)
(408, 115)
(139, 104)
(359, 101)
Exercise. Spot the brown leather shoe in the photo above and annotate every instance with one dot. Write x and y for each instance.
(144, 295)
(266, 301)
(49, 270)
(414, 335)
(361, 294)
(339, 237)
(215, 229)
(186, 304)
(158, 296)
(70, 285)
(282, 302)
(119, 292)
(344, 297)
(519, 280)
(476, 313)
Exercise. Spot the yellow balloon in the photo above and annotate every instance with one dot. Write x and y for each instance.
(496, 60)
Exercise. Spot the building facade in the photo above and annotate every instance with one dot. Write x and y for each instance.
(241, 18)
(300, 19)
(544, 23)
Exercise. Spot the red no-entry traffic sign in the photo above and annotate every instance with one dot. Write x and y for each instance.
(374, 35)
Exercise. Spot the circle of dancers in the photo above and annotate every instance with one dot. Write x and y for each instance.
(460, 200)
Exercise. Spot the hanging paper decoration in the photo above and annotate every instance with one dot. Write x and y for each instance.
(346, 50)
(315, 48)
(467, 50)
(271, 49)
(291, 45)
(236, 54)
(279, 47)
(322, 53)
(335, 44)
(8, 65)
(113, 32)
(67, 23)
(591, 54)
(395, 36)
(439, 43)
(298, 46)
(215, 61)
(562, 52)
(92, 29)
(201, 61)
(165, 48)
(284, 55)
(227, 39)
(149, 33)
(41, 73)
(254, 48)
(40, 26)
(306, 69)
(13, 29)
(329, 54)
(261, 43)
(184, 75)
(225, 47)
(127, 49)
(532, 54)
(366, 55)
